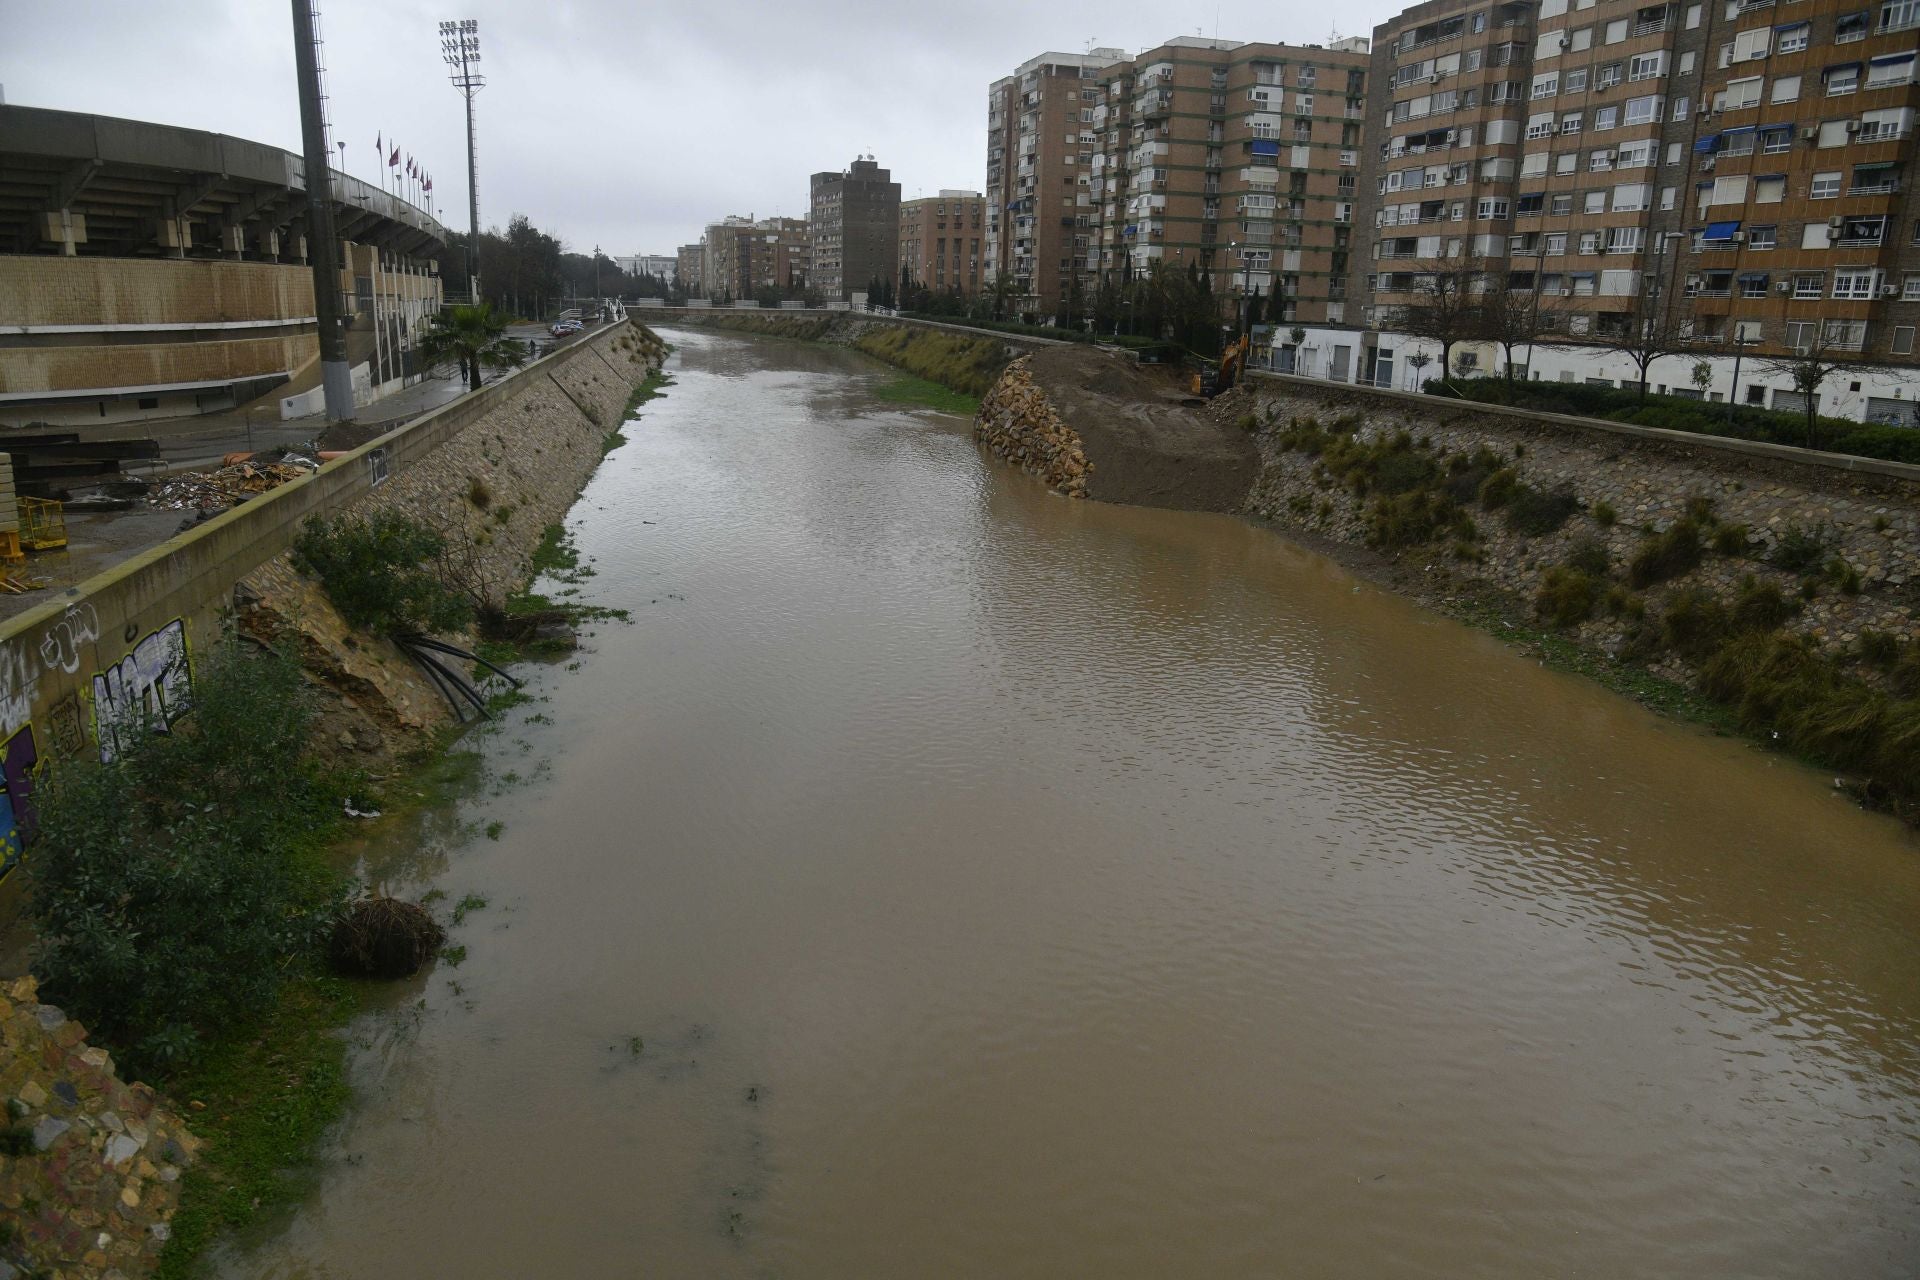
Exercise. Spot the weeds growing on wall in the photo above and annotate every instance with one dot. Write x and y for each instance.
(967, 365)
(172, 888)
(376, 570)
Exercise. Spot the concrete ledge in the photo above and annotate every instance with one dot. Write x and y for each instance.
(1664, 435)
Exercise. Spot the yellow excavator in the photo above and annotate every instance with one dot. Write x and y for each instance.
(1212, 379)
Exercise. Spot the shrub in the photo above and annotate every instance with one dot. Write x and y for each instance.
(1761, 607)
(1665, 555)
(1589, 557)
(1730, 539)
(1799, 549)
(1879, 649)
(1844, 576)
(1603, 512)
(1467, 472)
(1566, 597)
(1402, 471)
(374, 570)
(1408, 519)
(1695, 625)
(1623, 603)
(167, 887)
(1536, 514)
(1499, 488)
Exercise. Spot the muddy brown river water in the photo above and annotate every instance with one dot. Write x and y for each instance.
(1003, 886)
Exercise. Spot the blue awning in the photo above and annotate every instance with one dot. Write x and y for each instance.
(1761, 276)
(1720, 230)
(1887, 59)
(1790, 26)
(1707, 143)
(1266, 147)
(1740, 128)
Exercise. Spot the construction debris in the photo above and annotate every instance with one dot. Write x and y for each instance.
(226, 487)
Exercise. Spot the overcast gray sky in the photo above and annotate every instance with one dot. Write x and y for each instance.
(624, 124)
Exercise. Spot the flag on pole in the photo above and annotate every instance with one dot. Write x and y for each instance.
(409, 166)
(379, 144)
(393, 161)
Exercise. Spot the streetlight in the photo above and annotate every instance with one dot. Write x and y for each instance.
(1233, 247)
(460, 50)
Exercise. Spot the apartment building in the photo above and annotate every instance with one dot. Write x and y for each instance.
(1040, 145)
(1737, 170)
(726, 264)
(741, 256)
(1802, 225)
(1443, 142)
(687, 271)
(941, 240)
(855, 229)
(1242, 158)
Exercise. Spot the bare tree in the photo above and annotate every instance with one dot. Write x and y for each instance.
(1653, 328)
(1825, 352)
(1446, 308)
(1513, 317)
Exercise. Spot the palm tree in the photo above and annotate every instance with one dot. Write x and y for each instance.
(476, 336)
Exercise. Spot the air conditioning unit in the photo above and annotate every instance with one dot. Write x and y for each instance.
(1889, 290)
(1565, 39)
(1809, 133)
(1836, 222)
(1436, 77)
(1783, 287)
(1566, 291)
(1853, 126)
(1706, 165)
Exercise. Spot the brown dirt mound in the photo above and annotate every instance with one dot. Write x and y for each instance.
(1148, 448)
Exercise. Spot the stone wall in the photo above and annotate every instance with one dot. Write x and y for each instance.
(1626, 484)
(91, 1194)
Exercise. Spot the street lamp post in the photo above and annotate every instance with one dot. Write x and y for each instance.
(1233, 247)
(460, 50)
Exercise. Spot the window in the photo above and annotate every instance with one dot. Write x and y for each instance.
(1850, 27)
(1749, 45)
(1575, 82)
(1589, 242)
(1814, 236)
(1680, 105)
(1845, 335)
(1667, 196)
(1596, 201)
(1540, 126)
(1868, 229)
(1774, 142)
(1770, 188)
(1840, 80)
(1635, 155)
(1825, 186)
(1600, 161)
(1557, 245)
(1686, 63)
(1898, 15)
(1617, 30)
(1786, 89)
(1605, 118)
(1625, 239)
(1741, 93)
(1490, 208)
(1728, 190)
(1566, 162)
(1545, 86)
(1529, 205)
(1902, 340)
(1533, 164)
(1646, 66)
(1808, 284)
(1886, 124)
(1560, 203)
(1645, 110)
(1570, 122)
(1762, 237)
(1910, 289)
(1753, 284)
(1800, 336)
(1631, 197)
(1793, 39)
(1895, 68)
(1609, 75)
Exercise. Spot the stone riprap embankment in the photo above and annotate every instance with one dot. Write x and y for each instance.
(1020, 425)
(1093, 423)
(963, 360)
(95, 1164)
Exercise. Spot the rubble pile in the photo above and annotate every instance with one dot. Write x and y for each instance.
(229, 485)
(1021, 426)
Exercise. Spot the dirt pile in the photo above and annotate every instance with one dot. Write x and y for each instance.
(1126, 434)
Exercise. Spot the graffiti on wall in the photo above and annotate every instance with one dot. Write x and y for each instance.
(146, 691)
(60, 645)
(18, 756)
(19, 679)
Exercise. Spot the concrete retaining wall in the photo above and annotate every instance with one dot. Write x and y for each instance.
(88, 664)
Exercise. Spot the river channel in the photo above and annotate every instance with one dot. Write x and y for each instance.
(940, 878)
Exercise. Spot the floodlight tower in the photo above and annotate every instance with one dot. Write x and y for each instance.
(460, 49)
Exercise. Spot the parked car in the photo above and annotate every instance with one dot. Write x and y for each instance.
(566, 328)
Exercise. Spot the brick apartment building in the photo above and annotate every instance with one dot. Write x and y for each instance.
(1039, 160)
(687, 273)
(1740, 170)
(1244, 158)
(942, 239)
(855, 217)
(742, 256)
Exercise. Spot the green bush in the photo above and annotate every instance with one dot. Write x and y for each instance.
(1761, 607)
(1661, 556)
(1799, 550)
(1409, 519)
(1695, 625)
(1566, 597)
(1536, 514)
(169, 889)
(1499, 488)
(1604, 513)
(1730, 539)
(1589, 557)
(375, 570)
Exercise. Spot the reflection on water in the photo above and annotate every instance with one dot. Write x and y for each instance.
(942, 878)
